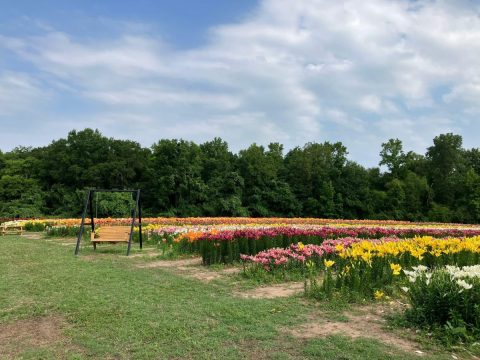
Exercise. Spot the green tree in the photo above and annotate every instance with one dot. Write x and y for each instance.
(467, 205)
(182, 178)
(396, 199)
(176, 186)
(87, 159)
(312, 173)
(224, 185)
(473, 159)
(2, 162)
(20, 197)
(417, 197)
(354, 192)
(447, 163)
(265, 192)
(392, 156)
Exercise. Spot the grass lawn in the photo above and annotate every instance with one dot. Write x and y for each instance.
(55, 305)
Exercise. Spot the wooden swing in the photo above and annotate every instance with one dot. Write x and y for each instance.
(110, 234)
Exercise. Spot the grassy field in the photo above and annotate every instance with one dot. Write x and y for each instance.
(105, 305)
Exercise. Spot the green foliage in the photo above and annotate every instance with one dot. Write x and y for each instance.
(67, 231)
(392, 156)
(113, 204)
(176, 185)
(181, 178)
(167, 244)
(35, 226)
(446, 164)
(440, 303)
(224, 185)
(86, 159)
(20, 197)
(265, 191)
(313, 173)
(353, 282)
(440, 213)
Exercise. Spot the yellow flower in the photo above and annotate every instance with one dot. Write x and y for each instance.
(328, 263)
(339, 248)
(395, 268)
(300, 246)
(367, 256)
(379, 295)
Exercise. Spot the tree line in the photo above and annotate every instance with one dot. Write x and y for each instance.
(182, 178)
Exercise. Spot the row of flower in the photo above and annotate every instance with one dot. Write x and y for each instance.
(217, 246)
(354, 252)
(225, 243)
(160, 222)
(439, 277)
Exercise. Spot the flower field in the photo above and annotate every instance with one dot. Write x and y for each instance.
(226, 240)
(238, 221)
(432, 265)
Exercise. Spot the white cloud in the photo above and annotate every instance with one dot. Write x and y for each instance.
(467, 93)
(19, 93)
(156, 95)
(371, 103)
(293, 71)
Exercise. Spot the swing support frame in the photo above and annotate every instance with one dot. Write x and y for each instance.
(88, 208)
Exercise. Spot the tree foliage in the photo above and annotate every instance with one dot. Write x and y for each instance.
(182, 178)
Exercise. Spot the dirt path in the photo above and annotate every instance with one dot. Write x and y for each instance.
(362, 322)
(37, 332)
(191, 268)
(273, 291)
(33, 235)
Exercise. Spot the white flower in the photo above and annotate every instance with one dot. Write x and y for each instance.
(404, 288)
(458, 274)
(464, 284)
(420, 268)
(412, 275)
(408, 273)
(464, 272)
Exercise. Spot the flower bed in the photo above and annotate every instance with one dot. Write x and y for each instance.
(162, 222)
(227, 246)
(199, 221)
(360, 268)
(445, 299)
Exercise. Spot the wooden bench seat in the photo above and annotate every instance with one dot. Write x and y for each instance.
(11, 229)
(111, 234)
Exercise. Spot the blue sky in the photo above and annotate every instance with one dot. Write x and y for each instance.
(247, 71)
(183, 23)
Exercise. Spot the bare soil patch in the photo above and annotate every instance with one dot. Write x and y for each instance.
(117, 250)
(145, 253)
(33, 235)
(38, 332)
(273, 291)
(174, 264)
(363, 322)
(191, 268)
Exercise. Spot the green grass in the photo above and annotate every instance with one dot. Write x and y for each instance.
(113, 309)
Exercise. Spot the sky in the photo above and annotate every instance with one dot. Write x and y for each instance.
(359, 72)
